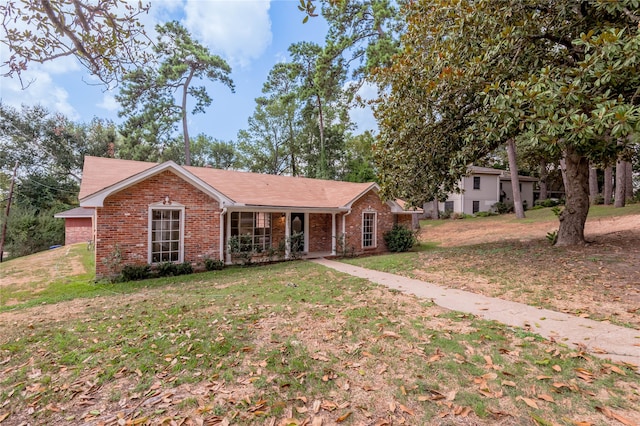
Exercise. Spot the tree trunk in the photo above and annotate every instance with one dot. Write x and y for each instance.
(593, 185)
(515, 181)
(435, 211)
(542, 183)
(628, 187)
(563, 171)
(574, 215)
(608, 185)
(185, 129)
(621, 169)
(323, 159)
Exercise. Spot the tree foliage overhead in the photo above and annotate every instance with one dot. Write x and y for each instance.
(50, 150)
(154, 98)
(366, 32)
(473, 75)
(104, 35)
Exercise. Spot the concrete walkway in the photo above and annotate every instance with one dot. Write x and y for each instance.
(600, 338)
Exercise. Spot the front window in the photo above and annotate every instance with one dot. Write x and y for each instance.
(368, 230)
(253, 228)
(476, 207)
(166, 235)
(476, 182)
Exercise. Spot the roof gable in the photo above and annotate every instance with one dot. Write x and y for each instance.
(119, 178)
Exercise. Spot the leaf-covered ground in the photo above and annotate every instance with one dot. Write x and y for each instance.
(291, 344)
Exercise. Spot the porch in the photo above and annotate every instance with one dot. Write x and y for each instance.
(264, 234)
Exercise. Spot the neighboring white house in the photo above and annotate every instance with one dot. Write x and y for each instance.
(482, 189)
(526, 188)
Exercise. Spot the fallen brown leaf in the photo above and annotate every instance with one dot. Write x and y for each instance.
(406, 410)
(343, 417)
(545, 397)
(615, 416)
(530, 402)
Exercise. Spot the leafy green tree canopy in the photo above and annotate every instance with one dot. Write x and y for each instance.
(472, 76)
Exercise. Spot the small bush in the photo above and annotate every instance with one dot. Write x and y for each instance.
(485, 214)
(399, 239)
(184, 268)
(549, 202)
(213, 264)
(456, 216)
(166, 269)
(135, 272)
(502, 208)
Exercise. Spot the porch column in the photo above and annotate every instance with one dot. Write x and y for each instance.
(222, 217)
(333, 234)
(287, 235)
(228, 255)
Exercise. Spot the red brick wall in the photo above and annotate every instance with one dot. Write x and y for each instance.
(370, 202)
(77, 230)
(319, 232)
(277, 229)
(124, 220)
(405, 220)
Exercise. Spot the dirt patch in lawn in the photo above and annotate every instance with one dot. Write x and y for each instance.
(25, 274)
(513, 260)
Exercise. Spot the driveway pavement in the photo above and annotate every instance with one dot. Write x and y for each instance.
(599, 338)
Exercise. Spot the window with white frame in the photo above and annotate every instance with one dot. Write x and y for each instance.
(166, 238)
(368, 229)
(253, 228)
(476, 182)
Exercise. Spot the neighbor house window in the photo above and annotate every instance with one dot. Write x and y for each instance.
(476, 207)
(448, 206)
(476, 182)
(368, 229)
(253, 229)
(166, 236)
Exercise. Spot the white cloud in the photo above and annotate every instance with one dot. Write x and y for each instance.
(42, 91)
(363, 116)
(109, 103)
(240, 31)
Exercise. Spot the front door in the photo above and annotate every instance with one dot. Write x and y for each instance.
(297, 232)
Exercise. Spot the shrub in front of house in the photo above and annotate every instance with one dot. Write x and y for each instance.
(399, 239)
(213, 264)
(135, 272)
(502, 208)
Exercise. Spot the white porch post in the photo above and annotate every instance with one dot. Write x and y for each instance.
(228, 255)
(222, 217)
(287, 235)
(333, 234)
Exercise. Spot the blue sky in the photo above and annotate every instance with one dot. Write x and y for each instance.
(251, 35)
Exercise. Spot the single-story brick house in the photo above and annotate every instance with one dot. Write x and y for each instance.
(78, 225)
(150, 213)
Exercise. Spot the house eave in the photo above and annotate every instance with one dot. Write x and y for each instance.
(280, 209)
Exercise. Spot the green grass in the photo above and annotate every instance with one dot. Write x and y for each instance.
(243, 343)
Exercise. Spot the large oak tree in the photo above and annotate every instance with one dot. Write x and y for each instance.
(474, 75)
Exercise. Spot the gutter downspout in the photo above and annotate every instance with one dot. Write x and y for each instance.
(222, 213)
